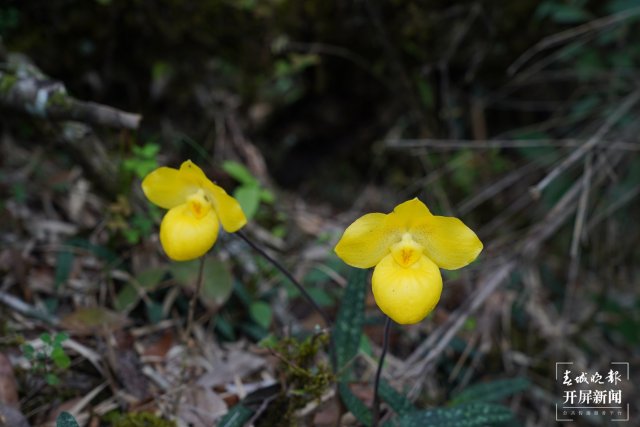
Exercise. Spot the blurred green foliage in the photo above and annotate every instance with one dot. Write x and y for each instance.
(50, 359)
(250, 193)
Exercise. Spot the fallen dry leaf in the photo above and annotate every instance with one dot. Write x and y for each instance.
(8, 383)
(89, 321)
(201, 407)
(11, 417)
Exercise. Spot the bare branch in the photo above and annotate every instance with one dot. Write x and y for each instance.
(463, 144)
(42, 97)
(572, 33)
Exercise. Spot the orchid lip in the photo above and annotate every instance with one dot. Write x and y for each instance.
(199, 205)
(406, 252)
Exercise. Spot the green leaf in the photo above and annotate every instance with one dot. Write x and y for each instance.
(52, 379)
(248, 196)
(218, 283)
(148, 150)
(562, 13)
(398, 402)
(60, 338)
(60, 358)
(154, 312)
(492, 391)
(468, 415)
(64, 264)
(239, 172)
(217, 280)
(225, 328)
(28, 351)
(354, 404)
(97, 250)
(236, 417)
(147, 280)
(150, 278)
(65, 419)
(46, 338)
(267, 196)
(253, 331)
(320, 296)
(616, 6)
(348, 327)
(126, 298)
(261, 313)
(569, 14)
(426, 93)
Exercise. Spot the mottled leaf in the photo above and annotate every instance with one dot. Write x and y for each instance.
(348, 327)
(398, 402)
(236, 417)
(65, 419)
(467, 415)
(354, 404)
(492, 391)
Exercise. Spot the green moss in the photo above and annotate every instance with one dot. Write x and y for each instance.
(7, 81)
(305, 378)
(142, 419)
(58, 99)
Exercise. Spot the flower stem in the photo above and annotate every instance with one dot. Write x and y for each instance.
(288, 275)
(376, 385)
(194, 298)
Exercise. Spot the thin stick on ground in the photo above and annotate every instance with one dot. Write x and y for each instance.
(612, 119)
(288, 275)
(376, 384)
(194, 298)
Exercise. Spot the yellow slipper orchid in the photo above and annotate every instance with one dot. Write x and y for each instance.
(196, 206)
(407, 248)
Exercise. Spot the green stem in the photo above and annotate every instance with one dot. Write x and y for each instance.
(376, 385)
(194, 298)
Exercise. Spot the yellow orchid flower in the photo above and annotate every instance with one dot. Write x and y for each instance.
(196, 206)
(407, 248)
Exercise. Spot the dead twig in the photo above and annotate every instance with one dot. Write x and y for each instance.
(572, 33)
(466, 144)
(45, 98)
(26, 309)
(629, 102)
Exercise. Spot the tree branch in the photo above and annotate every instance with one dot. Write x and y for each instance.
(39, 96)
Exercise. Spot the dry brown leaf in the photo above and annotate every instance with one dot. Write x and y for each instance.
(201, 407)
(8, 383)
(239, 363)
(160, 347)
(328, 414)
(89, 321)
(128, 369)
(11, 417)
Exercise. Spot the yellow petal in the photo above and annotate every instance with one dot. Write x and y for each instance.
(447, 241)
(192, 174)
(184, 236)
(406, 294)
(228, 209)
(167, 187)
(366, 241)
(407, 214)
